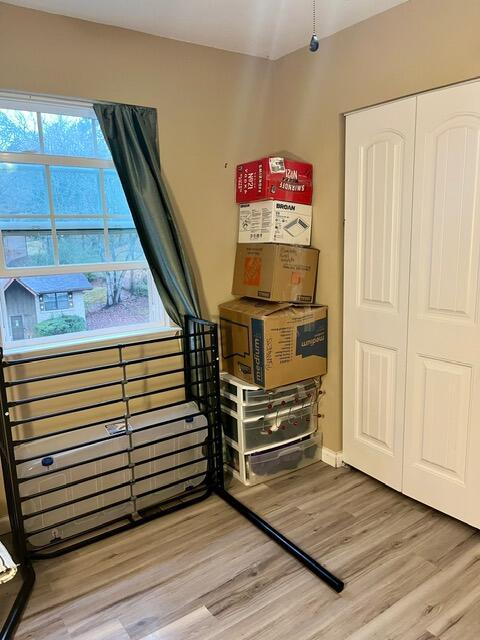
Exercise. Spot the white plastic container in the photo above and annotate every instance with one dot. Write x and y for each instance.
(51, 465)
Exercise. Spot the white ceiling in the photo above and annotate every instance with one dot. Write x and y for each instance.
(265, 28)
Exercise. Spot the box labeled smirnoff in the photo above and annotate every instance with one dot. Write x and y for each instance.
(275, 221)
(274, 178)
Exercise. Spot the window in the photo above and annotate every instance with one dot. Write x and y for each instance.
(70, 258)
(52, 301)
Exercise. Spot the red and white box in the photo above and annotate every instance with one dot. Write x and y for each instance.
(274, 178)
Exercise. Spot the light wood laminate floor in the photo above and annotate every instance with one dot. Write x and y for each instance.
(205, 573)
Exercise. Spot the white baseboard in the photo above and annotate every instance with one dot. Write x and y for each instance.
(333, 458)
(4, 525)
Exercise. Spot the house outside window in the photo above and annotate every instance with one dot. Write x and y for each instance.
(71, 264)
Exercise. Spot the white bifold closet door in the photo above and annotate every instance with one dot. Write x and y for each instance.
(442, 421)
(378, 205)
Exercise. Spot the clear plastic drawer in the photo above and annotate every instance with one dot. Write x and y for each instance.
(286, 393)
(270, 430)
(262, 466)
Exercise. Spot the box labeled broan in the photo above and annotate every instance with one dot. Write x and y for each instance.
(275, 272)
(275, 221)
(275, 179)
(271, 343)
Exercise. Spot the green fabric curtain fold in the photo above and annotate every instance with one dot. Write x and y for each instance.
(131, 134)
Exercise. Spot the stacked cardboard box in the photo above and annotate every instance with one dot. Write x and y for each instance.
(274, 334)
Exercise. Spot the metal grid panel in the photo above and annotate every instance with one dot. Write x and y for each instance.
(92, 477)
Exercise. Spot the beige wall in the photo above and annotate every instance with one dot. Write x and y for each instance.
(211, 111)
(211, 114)
(217, 108)
(416, 46)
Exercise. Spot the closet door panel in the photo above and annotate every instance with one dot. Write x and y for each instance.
(442, 434)
(378, 194)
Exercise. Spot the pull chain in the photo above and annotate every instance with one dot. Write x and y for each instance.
(314, 44)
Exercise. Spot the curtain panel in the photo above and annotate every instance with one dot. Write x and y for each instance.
(131, 134)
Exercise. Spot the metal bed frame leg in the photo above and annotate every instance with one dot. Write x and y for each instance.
(310, 563)
(18, 607)
(13, 500)
(218, 477)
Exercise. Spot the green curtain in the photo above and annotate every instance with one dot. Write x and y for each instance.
(131, 134)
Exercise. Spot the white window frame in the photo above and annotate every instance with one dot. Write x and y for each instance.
(160, 320)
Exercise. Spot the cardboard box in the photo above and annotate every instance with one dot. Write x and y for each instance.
(275, 178)
(275, 272)
(271, 343)
(275, 221)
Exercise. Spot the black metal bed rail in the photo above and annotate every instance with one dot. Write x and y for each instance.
(146, 461)
(108, 455)
(105, 403)
(55, 549)
(101, 492)
(76, 372)
(109, 347)
(99, 440)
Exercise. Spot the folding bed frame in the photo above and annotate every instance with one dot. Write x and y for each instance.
(195, 359)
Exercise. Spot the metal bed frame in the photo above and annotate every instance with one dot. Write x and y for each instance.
(201, 384)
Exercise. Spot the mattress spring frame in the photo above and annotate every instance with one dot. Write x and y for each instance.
(201, 384)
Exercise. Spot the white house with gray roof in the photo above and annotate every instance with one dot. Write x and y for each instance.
(32, 299)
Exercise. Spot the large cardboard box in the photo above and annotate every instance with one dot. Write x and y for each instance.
(275, 272)
(271, 344)
(275, 221)
(275, 178)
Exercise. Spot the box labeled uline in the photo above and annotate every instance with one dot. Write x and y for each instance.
(271, 344)
(275, 221)
(275, 272)
(274, 178)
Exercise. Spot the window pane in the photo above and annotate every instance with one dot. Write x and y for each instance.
(76, 190)
(117, 298)
(27, 242)
(80, 241)
(68, 135)
(102, 148)
(123, 240)
(49, 301)
(62, 300)
(116, 201)
(18, 131)
(23, 189)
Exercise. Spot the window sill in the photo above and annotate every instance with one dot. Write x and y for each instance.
(92, 341)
